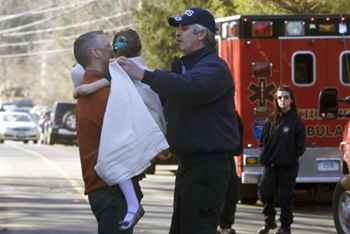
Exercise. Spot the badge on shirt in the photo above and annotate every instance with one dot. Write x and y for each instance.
(285, 129)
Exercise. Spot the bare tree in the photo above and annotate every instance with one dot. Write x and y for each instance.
(36, 39)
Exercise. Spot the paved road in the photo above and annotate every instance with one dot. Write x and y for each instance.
(41, 193)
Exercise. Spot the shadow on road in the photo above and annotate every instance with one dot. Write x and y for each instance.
(42, 205)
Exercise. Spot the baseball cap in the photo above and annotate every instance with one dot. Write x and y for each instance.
(194, 16)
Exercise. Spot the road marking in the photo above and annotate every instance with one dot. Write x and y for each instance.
(76, 187)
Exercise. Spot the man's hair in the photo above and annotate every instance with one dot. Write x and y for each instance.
(132, 47)
(209, 40)
(83, 44)
(277, 113)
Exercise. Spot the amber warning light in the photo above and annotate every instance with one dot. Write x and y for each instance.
(327, 28)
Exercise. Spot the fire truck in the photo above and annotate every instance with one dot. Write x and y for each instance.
(306, 52)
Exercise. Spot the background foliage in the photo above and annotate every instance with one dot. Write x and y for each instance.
(36, 38)
(151, 18)
(293, 6)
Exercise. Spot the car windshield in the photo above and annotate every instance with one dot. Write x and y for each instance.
(16, 118)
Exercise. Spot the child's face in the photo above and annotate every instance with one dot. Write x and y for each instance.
(117, 54)
(120, 46)
(126, 44)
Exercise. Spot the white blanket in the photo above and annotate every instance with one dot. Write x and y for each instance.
(150, 98)
(130, 137)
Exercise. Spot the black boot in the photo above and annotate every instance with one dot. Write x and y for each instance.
(268, 226)
(283, 231)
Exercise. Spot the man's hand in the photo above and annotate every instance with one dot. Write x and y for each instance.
(134, 71)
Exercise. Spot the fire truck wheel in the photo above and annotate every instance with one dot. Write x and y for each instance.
(341, 209)
(248, 194)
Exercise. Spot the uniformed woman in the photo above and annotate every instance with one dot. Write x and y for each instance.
(283, 142)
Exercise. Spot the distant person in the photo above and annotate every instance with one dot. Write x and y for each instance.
(283, 143)
(43, 122)
(93, 51)
(201, 127)
(227, 217)
(113, 158)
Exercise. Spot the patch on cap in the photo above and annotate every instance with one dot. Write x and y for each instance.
(194, 16)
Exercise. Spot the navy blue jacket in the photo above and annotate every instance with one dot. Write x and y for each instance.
(198, 104)
(283, 143)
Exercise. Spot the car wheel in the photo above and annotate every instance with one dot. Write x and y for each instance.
(25, 142)
(340, 207)
(35, 142)
(2, 141)
(69, 121)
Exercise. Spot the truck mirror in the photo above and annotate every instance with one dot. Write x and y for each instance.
(328, 103)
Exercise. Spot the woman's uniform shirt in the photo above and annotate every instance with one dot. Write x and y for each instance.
(283, 142)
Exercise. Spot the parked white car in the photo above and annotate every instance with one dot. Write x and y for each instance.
(18, 126)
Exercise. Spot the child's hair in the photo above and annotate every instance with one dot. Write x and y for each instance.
(127, 43)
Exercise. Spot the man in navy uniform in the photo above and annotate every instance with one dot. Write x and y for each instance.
(202, 129)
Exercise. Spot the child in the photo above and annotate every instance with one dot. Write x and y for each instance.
(126, 43)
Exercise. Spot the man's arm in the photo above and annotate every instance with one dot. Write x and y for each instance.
(203, 84)
(200, 85)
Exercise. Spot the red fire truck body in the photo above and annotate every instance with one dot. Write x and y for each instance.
(307, 53)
